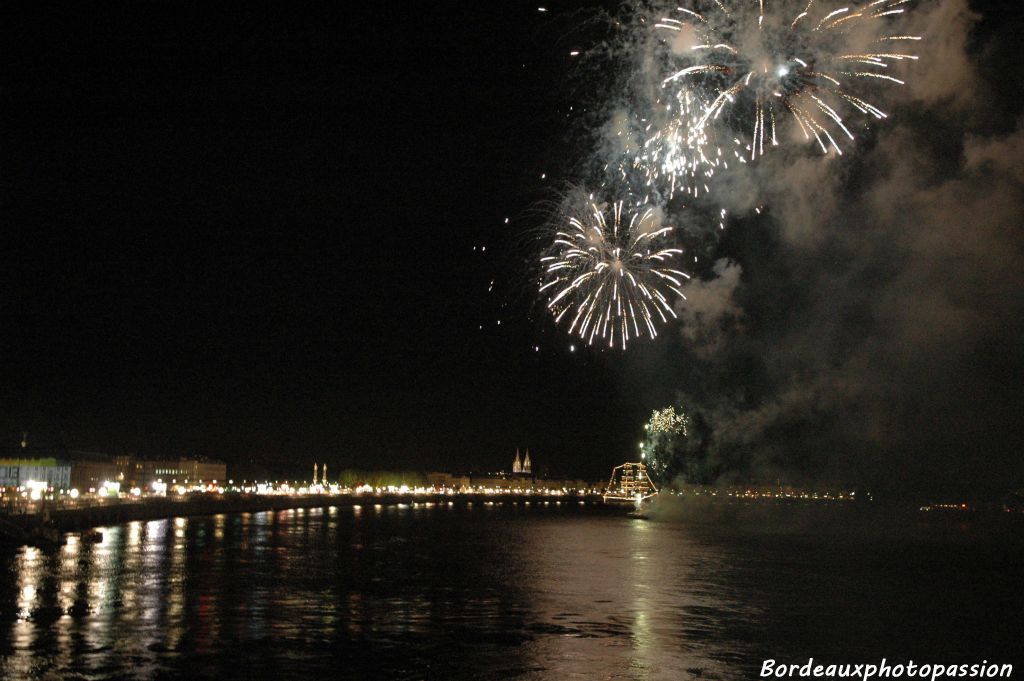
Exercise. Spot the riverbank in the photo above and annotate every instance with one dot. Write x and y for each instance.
(48, 525)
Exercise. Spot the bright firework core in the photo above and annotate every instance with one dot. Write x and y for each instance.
(609, 278)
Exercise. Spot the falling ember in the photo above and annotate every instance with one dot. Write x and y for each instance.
(611, 280)
(758, 66)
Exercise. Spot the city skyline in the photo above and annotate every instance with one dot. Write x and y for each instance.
(213, 246)
(578, 340)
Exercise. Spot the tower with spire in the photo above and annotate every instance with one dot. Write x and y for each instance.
(517, 467)
(526, 463)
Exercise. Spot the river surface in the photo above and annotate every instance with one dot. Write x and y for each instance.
(539, 591)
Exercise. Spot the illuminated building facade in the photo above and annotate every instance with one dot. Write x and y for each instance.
(521, 479)
(144, 472)
(522, 467)
(87, 474)
(17, 472)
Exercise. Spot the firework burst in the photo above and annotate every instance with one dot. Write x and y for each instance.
(674, 152)
(610, 276)
(761, 65)
(667, 421)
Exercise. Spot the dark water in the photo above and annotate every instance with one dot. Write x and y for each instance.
(497, 591)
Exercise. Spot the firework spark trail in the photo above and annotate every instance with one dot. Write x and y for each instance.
(677, 155)
(803, 66)
(612, 281)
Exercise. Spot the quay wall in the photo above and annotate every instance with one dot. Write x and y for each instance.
(117, 512)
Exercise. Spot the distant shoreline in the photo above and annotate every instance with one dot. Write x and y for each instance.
(77, 519)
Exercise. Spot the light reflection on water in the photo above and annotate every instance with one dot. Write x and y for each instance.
(495, 591)
(622, 598)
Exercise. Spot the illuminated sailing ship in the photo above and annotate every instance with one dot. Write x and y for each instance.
(629, 484)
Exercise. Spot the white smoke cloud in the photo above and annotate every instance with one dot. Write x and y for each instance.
(946, 73)
(905, 258)
(876, 330)
(710, 307)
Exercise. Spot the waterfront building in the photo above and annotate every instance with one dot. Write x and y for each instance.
(521, 479)
(90, 471)
(18, 472)
(450, 481)
(144, 472)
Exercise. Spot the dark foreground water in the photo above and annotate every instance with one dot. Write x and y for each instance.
(496, 591)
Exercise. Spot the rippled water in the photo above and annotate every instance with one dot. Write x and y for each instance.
(496, 591)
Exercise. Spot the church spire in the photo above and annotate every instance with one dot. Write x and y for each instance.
(517, 467)
(526, 462)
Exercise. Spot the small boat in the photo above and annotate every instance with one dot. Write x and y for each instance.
(92, 537)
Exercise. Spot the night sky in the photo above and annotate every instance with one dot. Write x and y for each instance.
(256, 234)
